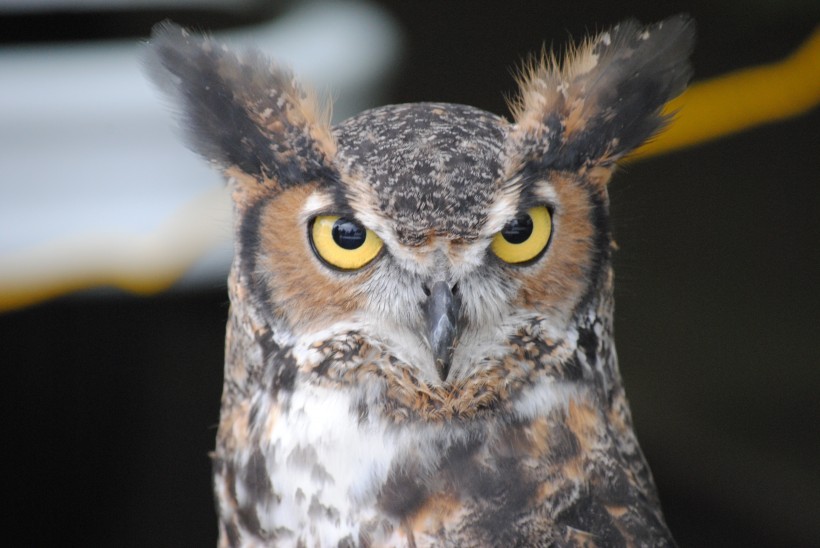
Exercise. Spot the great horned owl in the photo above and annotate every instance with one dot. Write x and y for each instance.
(420, 348)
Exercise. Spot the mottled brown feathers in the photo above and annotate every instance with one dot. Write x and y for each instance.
(568, 270)
(339, 426)
(306, 293)
(605, 98)
(407, 397)
(446, 171)
(242, 110)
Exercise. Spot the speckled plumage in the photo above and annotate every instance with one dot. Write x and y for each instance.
(451, 170)
(339, 425)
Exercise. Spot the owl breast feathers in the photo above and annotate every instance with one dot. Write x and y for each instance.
(419, 351)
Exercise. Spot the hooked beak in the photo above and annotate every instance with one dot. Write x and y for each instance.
(441, 311)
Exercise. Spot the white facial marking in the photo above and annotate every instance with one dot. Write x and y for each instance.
(318, 202)
(503, 209)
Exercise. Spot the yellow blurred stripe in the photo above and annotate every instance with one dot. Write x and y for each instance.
(741, 100)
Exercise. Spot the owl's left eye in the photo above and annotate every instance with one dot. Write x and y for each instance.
(525, 237)
(342, 242)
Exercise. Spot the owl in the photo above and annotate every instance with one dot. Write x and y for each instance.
(420, 343)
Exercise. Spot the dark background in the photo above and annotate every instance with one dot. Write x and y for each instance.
(110, 402)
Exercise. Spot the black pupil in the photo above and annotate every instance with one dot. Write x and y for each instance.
(518, 230)
(348, 234)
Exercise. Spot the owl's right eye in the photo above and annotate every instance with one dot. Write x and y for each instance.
(342, 242)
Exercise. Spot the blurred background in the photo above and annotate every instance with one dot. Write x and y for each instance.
(114, 250)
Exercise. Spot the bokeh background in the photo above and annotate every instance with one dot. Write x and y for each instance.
(110, 399)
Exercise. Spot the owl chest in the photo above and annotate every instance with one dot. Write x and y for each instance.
(312, 474)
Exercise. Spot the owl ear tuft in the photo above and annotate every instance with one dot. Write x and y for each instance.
(605, 98)
(244, 113)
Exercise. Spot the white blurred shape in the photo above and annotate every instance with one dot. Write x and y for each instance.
(88, 147)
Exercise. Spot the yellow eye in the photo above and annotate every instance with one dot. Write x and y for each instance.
(343, 242)
(525, 237)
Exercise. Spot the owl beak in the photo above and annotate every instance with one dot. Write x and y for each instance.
(442, 308)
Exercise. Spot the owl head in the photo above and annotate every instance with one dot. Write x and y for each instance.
(435, 232)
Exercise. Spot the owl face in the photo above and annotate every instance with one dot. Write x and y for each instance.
(439, 254)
